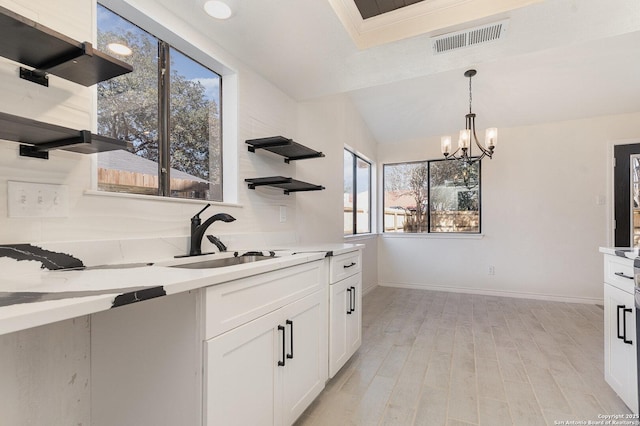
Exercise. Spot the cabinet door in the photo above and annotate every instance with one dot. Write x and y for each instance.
(305, 371)
(619, 356)
(242, 387)
(354, 320)
(345, 317)
(339, 303)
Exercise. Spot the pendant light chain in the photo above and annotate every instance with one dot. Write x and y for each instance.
(470, 98)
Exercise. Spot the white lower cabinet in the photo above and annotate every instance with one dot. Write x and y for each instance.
(344, 321)
(267, 371)
(212, 356)
(345, 302)
(620, 344)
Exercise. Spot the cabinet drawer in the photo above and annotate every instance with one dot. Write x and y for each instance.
(618, 271)
(234, 303)
(344, 265)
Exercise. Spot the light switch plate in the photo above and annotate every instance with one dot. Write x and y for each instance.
(283, 214)
(29, 199)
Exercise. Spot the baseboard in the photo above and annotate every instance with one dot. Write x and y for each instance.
(500, 293)
(366, 290)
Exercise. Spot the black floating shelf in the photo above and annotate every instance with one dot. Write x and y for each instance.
(287, 148)
(42, 137)
(288, 184)
(49, 52)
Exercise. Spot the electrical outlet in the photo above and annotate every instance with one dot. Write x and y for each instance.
(492, 270)
(28, 199)
(283, 214)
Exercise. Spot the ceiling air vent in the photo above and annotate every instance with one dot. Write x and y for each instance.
(469, 37)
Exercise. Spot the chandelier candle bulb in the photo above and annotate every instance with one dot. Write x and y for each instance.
(445, 145)
(465, 137)
(491, 137)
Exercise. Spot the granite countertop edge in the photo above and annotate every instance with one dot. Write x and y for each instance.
(22, 316)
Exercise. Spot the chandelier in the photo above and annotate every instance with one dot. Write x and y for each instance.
(463, 153)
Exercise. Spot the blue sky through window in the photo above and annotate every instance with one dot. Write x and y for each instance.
(109, 21)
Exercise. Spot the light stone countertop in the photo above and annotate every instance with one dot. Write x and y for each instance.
(173, 280)
(628, 252)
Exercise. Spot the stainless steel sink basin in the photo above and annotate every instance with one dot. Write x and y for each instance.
(225, 261)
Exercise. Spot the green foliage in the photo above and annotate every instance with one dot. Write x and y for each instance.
(128, 110)
(128, 105)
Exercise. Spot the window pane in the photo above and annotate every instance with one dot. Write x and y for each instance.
(128, 109)
(455, 199)
(363, 200)
(349, 158)
(196, 157)
(405, 197)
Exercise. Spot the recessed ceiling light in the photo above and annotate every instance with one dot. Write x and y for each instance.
(218, 9)
(120, 49)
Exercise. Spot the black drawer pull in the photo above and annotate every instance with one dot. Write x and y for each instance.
(353, 296)
(350, 265)
(620, 335)
(284, 337)
(623, 275)
(349, 311)
(290, 355)
(624, 326)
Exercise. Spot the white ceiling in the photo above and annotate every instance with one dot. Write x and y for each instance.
(560, 59)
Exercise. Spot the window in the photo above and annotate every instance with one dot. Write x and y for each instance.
(168, 108)
(357, 194)
(437, 196)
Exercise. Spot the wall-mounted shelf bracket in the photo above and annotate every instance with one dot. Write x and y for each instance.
(42, 150)
(287, 148)
(285, 183)
(38, 138)
(34, 76)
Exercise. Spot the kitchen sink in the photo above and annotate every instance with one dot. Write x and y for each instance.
(225, 261)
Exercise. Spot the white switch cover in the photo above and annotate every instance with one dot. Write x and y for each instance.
(28, 199)
(283, 214)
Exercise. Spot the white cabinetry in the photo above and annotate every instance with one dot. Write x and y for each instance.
(265, 368)
(620, 366)
(212, 356)
(345, 315)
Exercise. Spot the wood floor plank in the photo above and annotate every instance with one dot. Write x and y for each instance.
(437, 359)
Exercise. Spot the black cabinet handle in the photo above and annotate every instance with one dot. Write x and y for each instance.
(281, 363)
(353, 301)
(620, 336)
(624, 326)
(290, 355)
(350, 265)
(349, 296)
(623, 275)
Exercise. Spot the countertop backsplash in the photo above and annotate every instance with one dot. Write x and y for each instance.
(21, 259)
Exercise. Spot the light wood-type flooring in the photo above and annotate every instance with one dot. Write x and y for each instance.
(438, 358)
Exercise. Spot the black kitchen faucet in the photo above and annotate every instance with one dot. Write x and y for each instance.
(198, 229)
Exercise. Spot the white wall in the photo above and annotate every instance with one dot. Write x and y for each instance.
(541, 222)
(327, 125)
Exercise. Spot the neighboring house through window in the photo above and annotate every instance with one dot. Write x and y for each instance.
(168, 108)
(357, 194)
(438, 196)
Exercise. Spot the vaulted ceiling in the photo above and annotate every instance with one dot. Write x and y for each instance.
(558, 60)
